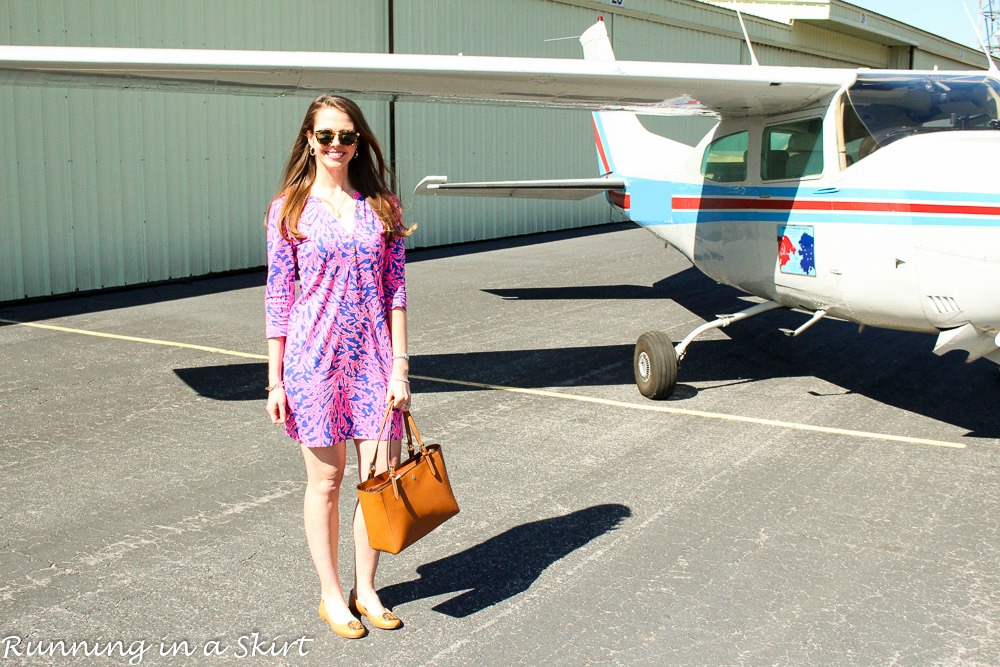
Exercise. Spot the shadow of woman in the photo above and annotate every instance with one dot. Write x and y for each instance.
(505, 565)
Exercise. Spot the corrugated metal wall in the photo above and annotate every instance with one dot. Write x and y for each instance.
(108, 188)
(492, 143)
(929, 60)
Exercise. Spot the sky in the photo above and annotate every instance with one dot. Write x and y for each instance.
(941, 17)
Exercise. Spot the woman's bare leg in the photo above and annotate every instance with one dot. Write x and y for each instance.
(366, 558)
(324, 476)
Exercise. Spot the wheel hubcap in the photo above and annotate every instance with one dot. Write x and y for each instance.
(644, 366)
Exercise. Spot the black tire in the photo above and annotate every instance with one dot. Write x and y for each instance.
(655, 365)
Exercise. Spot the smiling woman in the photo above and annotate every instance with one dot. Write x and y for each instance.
(337, 353)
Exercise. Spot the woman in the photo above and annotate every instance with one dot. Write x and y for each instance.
(337, 353)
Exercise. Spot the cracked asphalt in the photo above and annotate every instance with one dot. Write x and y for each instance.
(825, 500)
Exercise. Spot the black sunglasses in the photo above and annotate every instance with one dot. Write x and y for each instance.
(347, 137)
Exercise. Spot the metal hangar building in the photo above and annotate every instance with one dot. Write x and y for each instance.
(106, 188)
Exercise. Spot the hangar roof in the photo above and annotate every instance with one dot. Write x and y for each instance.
(837, 15)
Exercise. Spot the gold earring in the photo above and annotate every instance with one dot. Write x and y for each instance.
(312, 150)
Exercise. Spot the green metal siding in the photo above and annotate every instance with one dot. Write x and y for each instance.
(492, 143)
(929, 60)
(102, 188)
(107, 188)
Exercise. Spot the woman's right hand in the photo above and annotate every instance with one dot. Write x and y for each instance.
(277, 406)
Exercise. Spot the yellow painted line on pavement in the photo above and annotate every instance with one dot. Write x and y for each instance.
(654, 407)
(647, 407)
(134, 339)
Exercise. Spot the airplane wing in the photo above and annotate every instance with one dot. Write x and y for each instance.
(643, 87)
(563, 189)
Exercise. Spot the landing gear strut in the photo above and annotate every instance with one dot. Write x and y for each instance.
(655, 360)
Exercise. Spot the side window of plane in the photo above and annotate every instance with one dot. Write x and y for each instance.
(725, 159)
(792, 150)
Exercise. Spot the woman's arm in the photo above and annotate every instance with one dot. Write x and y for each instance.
(399, 381)
(279, 291)
(279, 294)
(277, 408)
(394, 293)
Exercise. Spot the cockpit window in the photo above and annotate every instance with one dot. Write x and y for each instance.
(793, 149)
(725, 159)
(881, 108)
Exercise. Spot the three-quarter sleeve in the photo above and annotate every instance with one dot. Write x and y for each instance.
(279, 293)
(394, 278)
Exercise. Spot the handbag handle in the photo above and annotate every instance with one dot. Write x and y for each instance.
(408, 423)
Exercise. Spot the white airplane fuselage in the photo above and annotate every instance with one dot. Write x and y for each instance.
(908, 237)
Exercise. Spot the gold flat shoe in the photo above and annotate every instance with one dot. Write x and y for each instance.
(351, 630)
(387, 621)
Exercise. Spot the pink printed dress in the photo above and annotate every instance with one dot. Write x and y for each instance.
(338, 350)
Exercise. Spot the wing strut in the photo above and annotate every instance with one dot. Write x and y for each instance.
(746, 36)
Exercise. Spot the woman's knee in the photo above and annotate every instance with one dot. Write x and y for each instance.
(324, 468)
(326, 485)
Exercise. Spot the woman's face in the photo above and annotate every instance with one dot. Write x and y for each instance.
(334, 155)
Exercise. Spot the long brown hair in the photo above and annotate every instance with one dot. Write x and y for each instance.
(367, 172)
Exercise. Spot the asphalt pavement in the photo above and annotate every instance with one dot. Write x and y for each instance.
(824, 500)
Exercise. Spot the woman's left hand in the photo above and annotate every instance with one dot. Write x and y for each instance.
(398, 394)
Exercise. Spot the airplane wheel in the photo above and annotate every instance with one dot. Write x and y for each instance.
(655, 365)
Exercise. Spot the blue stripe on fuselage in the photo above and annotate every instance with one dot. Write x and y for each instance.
(651, 204)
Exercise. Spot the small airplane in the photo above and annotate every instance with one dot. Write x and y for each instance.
(860, 195)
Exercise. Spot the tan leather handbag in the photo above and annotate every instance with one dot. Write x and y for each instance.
(406, 502)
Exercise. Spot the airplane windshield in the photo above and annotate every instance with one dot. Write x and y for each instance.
(881, 108)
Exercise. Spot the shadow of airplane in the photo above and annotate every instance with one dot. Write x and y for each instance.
(563, 367)
(892, 367)
(504, 565)
(895, 368)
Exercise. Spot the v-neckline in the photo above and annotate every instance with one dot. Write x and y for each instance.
(328, 207)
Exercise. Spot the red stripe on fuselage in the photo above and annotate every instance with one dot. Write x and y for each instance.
(600, 149)
(757, 204)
